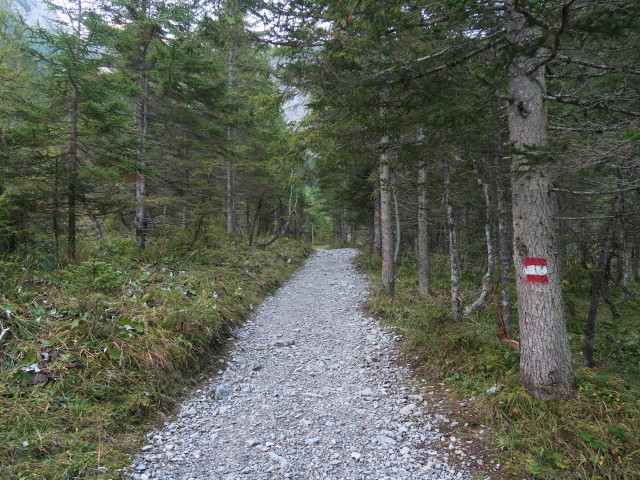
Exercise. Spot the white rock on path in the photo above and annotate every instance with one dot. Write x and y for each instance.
(302, 398)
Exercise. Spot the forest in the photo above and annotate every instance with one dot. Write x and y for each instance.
(155, 186)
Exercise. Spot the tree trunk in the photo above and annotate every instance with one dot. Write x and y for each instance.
(546, 371)
(398, 237)
(387, 279)
(456, 305)
(626, 263)
(597, 281)
(377, 230)
(424, 266)
(231, 134)
(231, 207)
(343, 227)
(140, 220)
(504, 240)
(488, 276)
(72, 187)
(252, 228)
(94, 220)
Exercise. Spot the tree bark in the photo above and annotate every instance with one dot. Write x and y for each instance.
(72, 187)
(387, 279)
(424, 266)
(142, 113)
(456, 305)
(377, 230)
(597, 281)
(231, 134)
(488, 276)
(343, 227)
(231, 207)
(626, 263)
(546, 371)
(504, 242)
(398, 237)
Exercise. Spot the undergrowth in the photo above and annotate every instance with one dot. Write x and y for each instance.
(595, 435)
(95, 350)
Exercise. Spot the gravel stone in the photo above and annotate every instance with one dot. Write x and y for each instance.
(312, 389)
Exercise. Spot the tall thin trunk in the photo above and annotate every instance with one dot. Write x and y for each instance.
(141, 219)
(504, 220)
(456, 305)
(377, 230)
(398, 237)
(626, 266)
(142, 113)
(94, 221)
(424, 265)
(231, 206)
(72, 187)
(488, 276)
(597, 281)
(256, 217)
(56, 209)
(546, 371)
(343, 227)
(231, 135)
(387, 279)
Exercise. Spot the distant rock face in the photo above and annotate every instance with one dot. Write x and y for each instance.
(295, 108)
(34, 12)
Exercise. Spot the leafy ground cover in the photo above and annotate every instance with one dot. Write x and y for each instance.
(595, 435)
(96, 350)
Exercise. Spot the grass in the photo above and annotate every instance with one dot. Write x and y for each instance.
(595, 435)
(98, 350)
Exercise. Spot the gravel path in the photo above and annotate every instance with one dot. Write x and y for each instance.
(311, 390)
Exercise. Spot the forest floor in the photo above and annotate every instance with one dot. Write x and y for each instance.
(314, 388)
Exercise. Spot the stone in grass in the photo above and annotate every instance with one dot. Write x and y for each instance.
(222, 392)
(494, 389)
(102, 469)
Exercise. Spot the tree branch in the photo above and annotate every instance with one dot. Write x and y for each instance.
(609, 68)
(587, 104)
(593, 192)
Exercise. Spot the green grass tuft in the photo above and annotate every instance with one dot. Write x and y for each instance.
(117, 339)
(595, 435)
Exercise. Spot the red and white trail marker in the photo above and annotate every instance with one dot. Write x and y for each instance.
(535, 270)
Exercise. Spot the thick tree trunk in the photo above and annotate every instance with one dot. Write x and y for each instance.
(456, 305)
(546, 371)
(387, 279)
(597, 281)
(424, 266)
